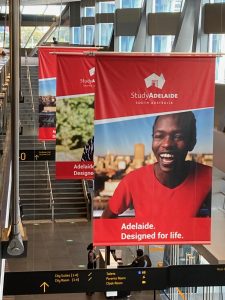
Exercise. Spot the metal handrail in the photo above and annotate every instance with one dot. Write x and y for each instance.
(29, 81)
(88, 200)
(51, 200)
(6, 179)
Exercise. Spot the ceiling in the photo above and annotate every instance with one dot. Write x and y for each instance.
(41, 2)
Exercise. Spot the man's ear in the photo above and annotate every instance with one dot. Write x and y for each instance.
(192, 144)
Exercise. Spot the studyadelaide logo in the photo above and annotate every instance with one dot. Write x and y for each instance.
(154, 82)
(89, 82)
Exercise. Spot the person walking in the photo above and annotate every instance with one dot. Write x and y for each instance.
(92, 257)
(92, 260)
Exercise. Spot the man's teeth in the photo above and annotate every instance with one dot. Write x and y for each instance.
(166, 155)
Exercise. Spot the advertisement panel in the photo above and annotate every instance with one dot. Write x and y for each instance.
(47, 88)
(75, 116)
(153, 149)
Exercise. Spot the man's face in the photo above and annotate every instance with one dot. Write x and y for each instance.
(170, 142)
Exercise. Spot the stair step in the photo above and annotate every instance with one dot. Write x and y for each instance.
(32, 201)
(47, 216)
(35, 196)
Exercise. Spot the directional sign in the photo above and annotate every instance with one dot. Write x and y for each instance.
(36, 155)
(131, 279)
(76, 281)
(106, 280)
(44, 285)
(198, 275)
(47, 282)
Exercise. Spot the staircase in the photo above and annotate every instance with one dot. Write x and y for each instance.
(37, 178)
(69, 202)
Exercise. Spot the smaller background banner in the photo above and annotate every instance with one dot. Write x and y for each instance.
(75, 115)
(47, 88)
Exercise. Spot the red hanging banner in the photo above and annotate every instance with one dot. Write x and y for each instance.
(75, 116)
(47, 88)
(153, 149)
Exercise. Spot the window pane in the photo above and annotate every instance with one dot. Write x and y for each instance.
(105, 33)
(107, 7)
(54, 10)
(126, 43)
(162, 43)
(2, 9)
(4, 33)
(33, 10)
(131, 3)
(168, 5)
(42, 9)
(89, 12)
(62, 34)
(89, 34)
(30, 37)
(217, 45)
(76, 35)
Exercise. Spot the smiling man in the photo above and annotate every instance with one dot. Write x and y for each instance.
(172, 186)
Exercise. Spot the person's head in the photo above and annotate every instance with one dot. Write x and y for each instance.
(173, 136)
(54, 40)
(90, 246)
(139, 252)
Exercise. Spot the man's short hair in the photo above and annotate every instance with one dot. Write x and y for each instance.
(188, 122)
(139, 252)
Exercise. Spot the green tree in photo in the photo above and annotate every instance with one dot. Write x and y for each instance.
(75, 118)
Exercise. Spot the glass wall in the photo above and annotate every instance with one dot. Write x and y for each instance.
(76, 35)
(131, 3)
(158, 43)
(4, 37)
(106, 7)
(103, 31)
(31, 35)
(162, 43)
(167, 5)
(87, 31)
(217, 45)
(126, 43)
(88, 37)
(62, 34)
(89, 11)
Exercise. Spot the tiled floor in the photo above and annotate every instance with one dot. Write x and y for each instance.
(144, 295)
(62, 246)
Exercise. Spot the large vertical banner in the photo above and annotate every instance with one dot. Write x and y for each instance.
(47, 88)
(153, 149)
(75, 116)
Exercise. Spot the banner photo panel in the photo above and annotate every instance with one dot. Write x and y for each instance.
(75, 116)
(47, 88)
(153, 149)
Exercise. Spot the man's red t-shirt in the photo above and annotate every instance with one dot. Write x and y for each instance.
(150, 198)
